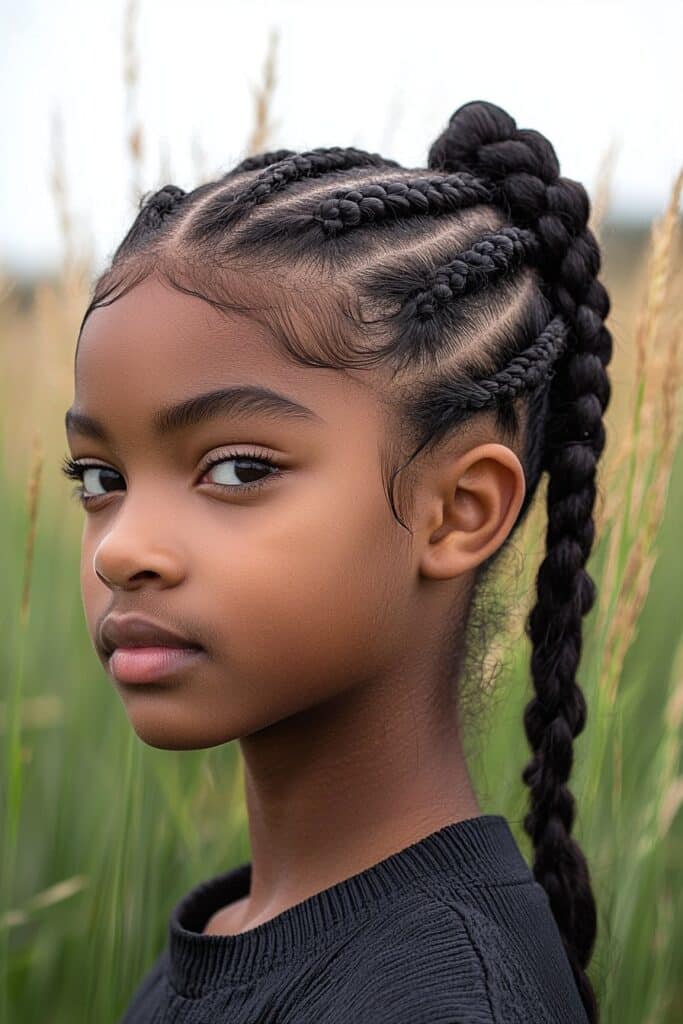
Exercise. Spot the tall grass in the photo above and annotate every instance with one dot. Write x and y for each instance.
(102, 834)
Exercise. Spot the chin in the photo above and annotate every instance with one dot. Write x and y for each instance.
(177, 741)
(169, 730)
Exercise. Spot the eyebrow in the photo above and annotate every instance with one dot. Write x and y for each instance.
(241, 399)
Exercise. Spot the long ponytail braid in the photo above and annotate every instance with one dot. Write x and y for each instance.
(522, 167)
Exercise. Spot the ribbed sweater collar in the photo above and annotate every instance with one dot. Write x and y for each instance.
(472, 851)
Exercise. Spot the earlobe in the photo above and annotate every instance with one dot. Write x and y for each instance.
(479, 500)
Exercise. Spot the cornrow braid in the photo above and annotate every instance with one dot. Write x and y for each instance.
(524, 372)
(155, 208)
(161, 204)
(379, 200)
(493, 255)
(448, 400)
(523, 169)
(227, 208)
(427, 302)
(258, 161)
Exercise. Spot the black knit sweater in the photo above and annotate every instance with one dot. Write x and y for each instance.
(450, 930)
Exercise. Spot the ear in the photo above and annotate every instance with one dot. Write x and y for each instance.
(470, 505)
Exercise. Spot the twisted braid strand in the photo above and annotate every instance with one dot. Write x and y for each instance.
(381, 200)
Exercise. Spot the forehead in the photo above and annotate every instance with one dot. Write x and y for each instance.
(182, 336)
(157, 345)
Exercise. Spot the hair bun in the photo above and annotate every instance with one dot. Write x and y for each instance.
(472, 125)
(482, 138)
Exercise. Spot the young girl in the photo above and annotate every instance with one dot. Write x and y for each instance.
(269, 363)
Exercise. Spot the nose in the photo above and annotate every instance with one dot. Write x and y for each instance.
(135, 548)
(101, 576)
(124, 576)
(121, 566)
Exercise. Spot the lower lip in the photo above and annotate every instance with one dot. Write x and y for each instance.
(148, 664)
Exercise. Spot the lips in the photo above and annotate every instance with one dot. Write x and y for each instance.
(137, 631)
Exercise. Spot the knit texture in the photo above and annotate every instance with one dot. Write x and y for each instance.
(450, 930)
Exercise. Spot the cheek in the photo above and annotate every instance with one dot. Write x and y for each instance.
(309, 593)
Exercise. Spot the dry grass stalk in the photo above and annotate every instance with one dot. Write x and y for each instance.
(601, 192)
(165, 172)
(671, 782)
(653, 441)
(57, 306)
(611, 468)
(260, 135)
(605, 511)
(659, 379)
(59, 192)
(56, 893)
(75, 268)
(663, 239)
(33, 494)
(131, 77)
(199, 162)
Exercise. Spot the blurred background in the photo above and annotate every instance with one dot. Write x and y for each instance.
(104, 102)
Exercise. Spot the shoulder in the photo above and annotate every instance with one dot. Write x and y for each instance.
(412, 962)
(432, 958)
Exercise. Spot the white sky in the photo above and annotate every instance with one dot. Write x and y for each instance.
(380, 75)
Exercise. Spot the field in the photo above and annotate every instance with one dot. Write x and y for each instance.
(101, 835)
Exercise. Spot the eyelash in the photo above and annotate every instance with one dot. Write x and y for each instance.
(75, 471)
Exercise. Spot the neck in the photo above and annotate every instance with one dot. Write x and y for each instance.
(334, 789)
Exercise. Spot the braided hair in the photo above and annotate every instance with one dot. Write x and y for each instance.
(474, 282)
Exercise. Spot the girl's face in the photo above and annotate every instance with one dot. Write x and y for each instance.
(297, 584)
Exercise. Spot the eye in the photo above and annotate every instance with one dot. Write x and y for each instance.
(240, 466)
(81, 471)
(246, 464)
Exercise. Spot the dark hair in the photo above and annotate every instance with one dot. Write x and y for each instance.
(475, 283)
